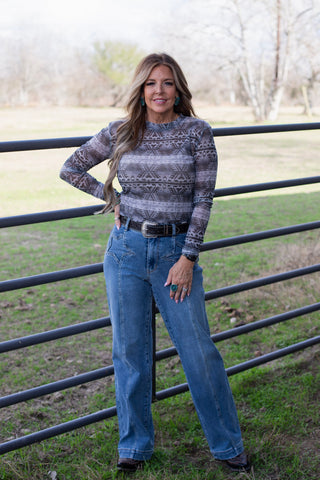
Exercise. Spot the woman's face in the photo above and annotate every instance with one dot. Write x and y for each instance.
(159, 94)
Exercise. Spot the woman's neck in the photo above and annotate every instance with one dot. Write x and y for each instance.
(162, 118)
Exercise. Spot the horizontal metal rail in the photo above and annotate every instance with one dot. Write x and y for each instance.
(57, 386)
(259, 187)
(261, 282)
(51, 432)
(50, 216)
(255, 362)
(55, 334)
(257, 236)
(44, 278)
(161, 395)
(291, 127)
(42, 144)
(90, 325)
(52, 143)
(249, 327)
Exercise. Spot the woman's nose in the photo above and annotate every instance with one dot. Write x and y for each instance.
(159, 87)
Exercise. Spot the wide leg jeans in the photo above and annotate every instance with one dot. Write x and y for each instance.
(136, 268)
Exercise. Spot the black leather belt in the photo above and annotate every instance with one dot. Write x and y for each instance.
(153, 230)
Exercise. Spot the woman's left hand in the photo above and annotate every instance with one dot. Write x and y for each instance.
(181, 275)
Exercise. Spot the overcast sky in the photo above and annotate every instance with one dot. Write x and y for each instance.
(83, 21)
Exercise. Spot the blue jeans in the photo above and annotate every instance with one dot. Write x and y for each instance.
(135, 269)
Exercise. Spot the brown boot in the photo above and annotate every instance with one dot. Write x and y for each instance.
(129, 464)
(238, 463)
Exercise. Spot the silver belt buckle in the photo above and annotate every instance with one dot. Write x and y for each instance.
(144, 227)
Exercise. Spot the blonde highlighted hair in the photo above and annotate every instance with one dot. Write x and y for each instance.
(130, 132)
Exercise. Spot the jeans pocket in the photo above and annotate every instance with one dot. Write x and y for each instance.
(117, 247)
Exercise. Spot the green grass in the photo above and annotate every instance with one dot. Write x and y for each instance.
(278, 403)
(268, 397)
(280, 433)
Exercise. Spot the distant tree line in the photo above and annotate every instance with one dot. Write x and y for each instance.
(47, 73)
(257, 53)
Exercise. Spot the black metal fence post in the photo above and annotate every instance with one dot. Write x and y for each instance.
(154, 342)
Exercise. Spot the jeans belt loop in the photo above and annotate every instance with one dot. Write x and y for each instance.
(127, 223)
(174, 230)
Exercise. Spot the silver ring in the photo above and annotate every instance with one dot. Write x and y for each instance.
(184, 289)
(116, 218)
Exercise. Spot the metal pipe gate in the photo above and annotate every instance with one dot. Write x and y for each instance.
(19, 283)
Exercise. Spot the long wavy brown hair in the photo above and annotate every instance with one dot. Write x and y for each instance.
(130, 132)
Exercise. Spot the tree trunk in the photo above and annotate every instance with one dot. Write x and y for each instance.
(275, 104)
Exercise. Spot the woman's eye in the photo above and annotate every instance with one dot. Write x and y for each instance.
(168, 83)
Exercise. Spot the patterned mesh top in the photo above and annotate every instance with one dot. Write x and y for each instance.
(168, 178)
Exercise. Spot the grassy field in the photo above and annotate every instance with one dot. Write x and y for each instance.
(278, 403)
(242, 160)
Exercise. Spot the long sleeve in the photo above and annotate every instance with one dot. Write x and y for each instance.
(206, 162)
(93, 152)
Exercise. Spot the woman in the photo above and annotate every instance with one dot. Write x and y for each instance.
(166, 163)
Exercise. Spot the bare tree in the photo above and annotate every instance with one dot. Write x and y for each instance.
(264, 67)
(306, 58)
(241, 40)
(22, 72)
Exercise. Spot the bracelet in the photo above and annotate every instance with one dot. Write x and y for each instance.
(118, 197)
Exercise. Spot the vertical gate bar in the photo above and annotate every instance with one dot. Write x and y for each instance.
(153, 350)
